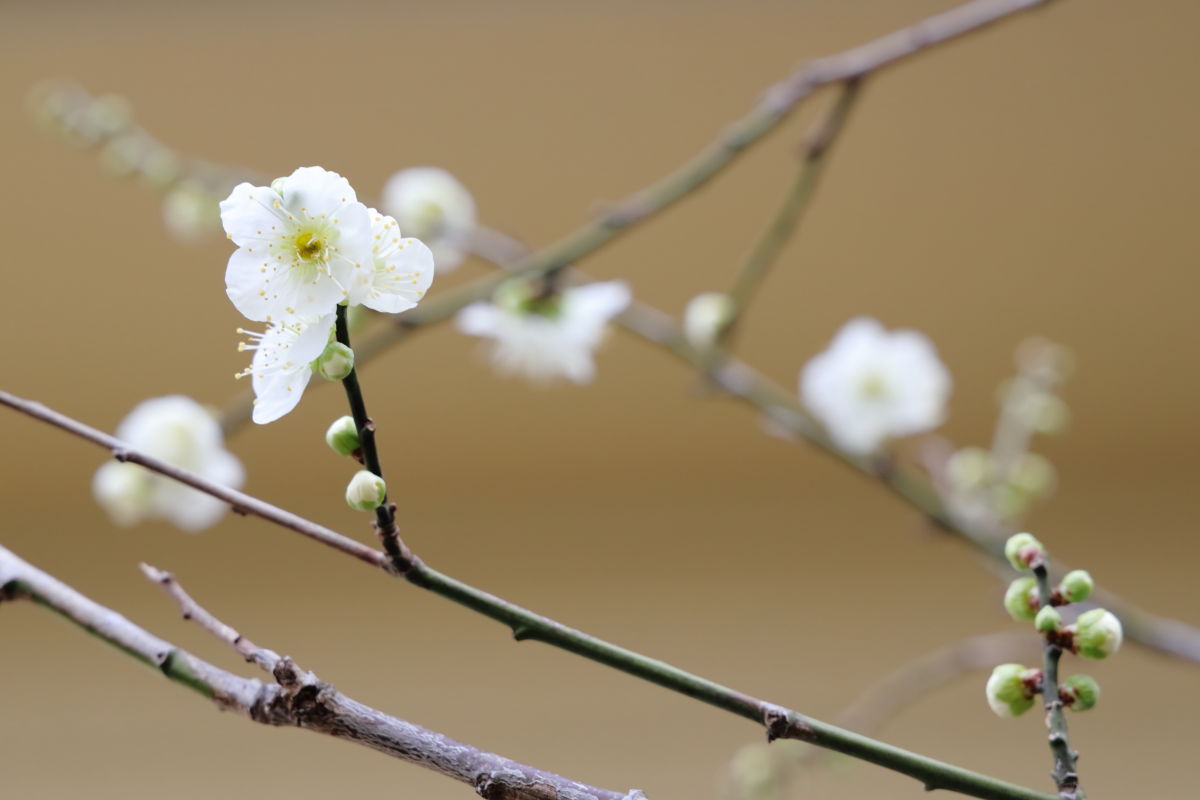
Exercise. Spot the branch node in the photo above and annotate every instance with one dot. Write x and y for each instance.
(784, 724)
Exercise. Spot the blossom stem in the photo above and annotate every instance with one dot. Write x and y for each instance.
(779, 231)
(385, 513)
(1064, 774)
(779, 722)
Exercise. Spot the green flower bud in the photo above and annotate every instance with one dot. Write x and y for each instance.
(1022, 550)
(1033, 474)
(335, 363)
(1052, 415)
(366, 491)
(970, 468)
(1079, 692)
(277, 185)
(1076, 586)
(1048, 620)
(1098, 634)
(342, 436)
(1011, 689)
(1021, 599)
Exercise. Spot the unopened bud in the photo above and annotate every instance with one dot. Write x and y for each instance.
(1079, 692)
(277, 186)
(1023, 550)
(705, 317)
(1021, 599)
(1011, 689)
(1048, 620)
(335, 363)
(1052, 415)
(1076, 586)
(1098, 634)
(366, 491)
(342, 436)
(1033, 474)
(969, 468)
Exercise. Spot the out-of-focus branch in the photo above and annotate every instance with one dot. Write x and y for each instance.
(779, 722)
(783, 224)
(296, 698)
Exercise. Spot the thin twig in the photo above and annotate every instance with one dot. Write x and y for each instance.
(385, 512)
(297, 698)
(1064, 774)
(779, 722)
(787, 218)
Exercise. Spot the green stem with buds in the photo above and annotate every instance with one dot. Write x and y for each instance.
(385, 513)
(1064, 774)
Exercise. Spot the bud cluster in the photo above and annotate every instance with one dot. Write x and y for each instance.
(1095, 633)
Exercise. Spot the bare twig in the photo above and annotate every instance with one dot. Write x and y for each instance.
(782, 226)
(779, 722)
(297, 698)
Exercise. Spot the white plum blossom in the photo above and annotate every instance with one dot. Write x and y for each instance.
(282, 363)
(430, 203)
(872, 384)
(399, 273)
(544, 338)
(299, 241)
(180, 431)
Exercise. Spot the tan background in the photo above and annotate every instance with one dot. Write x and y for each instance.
(1039, 178)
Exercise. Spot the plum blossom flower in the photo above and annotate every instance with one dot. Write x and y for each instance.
(432, 205)
(180, 431)
(399, 273)
(299, 241)
(871, 384)
(544, 338)
(282, 363)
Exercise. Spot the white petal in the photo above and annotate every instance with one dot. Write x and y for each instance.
(432, 205)
(251, 281)
(316, 192)
(404, 272)
(250, 217)
(278, 394)
(188, 509)
(479, 319)
(124, 491)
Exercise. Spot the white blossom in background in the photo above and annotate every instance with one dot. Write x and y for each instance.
(430, 204)
(282, 363)
(546, 338)
(180, 431)
(872, 384)
(400, 271)
(299, 241)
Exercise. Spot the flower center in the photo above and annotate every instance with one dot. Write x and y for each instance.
(873, 386)
(310, 246)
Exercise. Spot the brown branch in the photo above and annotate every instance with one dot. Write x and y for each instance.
(779, 722)
(296, 698)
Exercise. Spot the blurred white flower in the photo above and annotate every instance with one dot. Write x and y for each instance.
(544, 338)
(299, 243)
(179, 431)
(432, 205)
(871, 384)
(400, 271)
(706, 314)
(282, 363)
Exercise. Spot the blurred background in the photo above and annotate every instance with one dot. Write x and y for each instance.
(1038, 178)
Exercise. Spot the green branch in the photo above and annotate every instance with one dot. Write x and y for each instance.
(787, 218)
